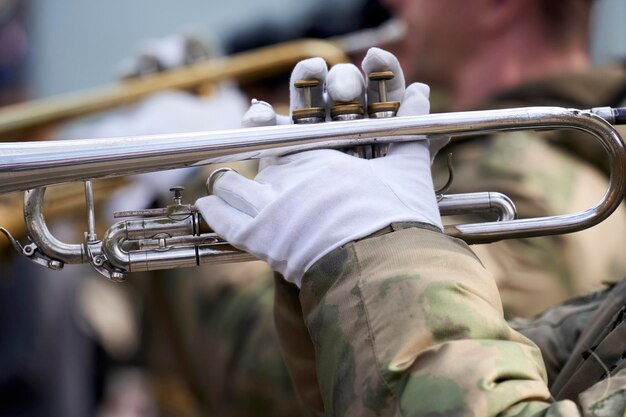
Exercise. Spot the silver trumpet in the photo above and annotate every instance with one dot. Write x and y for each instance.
(177, 236)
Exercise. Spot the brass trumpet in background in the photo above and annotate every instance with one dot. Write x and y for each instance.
(177, 236)
(242, 67)
(245, 66)
(20, 119)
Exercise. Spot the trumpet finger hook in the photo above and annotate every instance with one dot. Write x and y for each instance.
(448, 183)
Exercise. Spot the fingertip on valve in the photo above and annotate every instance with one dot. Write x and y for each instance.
(216, 175)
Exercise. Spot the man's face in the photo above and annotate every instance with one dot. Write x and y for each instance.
(440, 33)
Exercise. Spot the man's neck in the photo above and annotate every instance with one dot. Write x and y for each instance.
(509, 63)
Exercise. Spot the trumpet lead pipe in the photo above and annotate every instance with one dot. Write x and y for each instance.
(27, 165)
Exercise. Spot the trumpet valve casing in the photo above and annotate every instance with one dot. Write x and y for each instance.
(346, 110)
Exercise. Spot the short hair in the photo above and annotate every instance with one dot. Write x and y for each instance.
(567, 20)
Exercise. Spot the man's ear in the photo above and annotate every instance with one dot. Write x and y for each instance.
(498, 15)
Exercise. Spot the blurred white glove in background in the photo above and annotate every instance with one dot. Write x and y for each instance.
(161, 113)
(157, 55)
(302, 206)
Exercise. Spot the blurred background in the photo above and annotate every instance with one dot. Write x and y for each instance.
(74, 344)
(72, 44)
(98, 35)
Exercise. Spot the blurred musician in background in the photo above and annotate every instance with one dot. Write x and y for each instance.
(504, 54)
(46, 356)
(13, 51)
(495, 54)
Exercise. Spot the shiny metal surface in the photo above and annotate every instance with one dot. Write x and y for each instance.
(165, 242)
(91, 214)
(41, 236)
(28, 165)
(175, 238)
(478, 203)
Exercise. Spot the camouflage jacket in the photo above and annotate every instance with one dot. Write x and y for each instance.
(546, 173)
(408, 322)
(583, 342)
(228, 359)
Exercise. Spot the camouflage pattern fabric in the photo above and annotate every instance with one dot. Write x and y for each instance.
(557, 330)
(607, 398)
(546, 173)
(410, 323)
(233, 334)
(211, 345)
(583, 343)
(600, 351)
(566, 333)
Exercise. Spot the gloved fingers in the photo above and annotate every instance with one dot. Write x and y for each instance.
(318, 159)
(345, 83)
(289, 169)
(312, 68)
(406, 149)
(282, 119)
(265, 163)
(245, 195)
(414, 102)
(436, 144)
(260, 113)
(380, 60)
(221, 217)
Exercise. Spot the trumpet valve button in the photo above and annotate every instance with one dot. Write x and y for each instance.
(381, 75)
(309, 83)
(383, 108)
(307, 113)
(178, 194)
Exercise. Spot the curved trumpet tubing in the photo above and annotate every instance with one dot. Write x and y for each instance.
(177, 236)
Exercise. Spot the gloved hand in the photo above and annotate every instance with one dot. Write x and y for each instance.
(302, 206)
(344, 82)
(157, 55)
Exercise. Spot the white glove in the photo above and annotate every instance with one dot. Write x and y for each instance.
(343, 83)
(157, 55)
(301, 207)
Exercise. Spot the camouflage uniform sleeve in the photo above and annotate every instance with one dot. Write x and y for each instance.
(410, 323)
(542, 180)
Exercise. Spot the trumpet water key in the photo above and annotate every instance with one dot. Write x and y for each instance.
(177, 236)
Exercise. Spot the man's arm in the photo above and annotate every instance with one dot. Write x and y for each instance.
(410, 323)
(401, 323)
